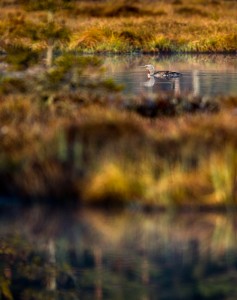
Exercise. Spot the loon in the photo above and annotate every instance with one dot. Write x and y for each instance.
(160, 74)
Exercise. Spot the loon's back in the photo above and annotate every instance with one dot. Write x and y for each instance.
(166, 74)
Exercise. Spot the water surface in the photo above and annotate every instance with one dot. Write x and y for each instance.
(202, 74)
(205, 75)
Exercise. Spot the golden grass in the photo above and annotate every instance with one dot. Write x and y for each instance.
(206, 29)
(189, 26)
(115, 183)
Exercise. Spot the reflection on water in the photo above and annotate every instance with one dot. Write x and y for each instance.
(130, 255)
(201, 74)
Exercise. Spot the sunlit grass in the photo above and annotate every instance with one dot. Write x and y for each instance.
(161, 34)
(224, 176)
(124, 27)
(115, 183)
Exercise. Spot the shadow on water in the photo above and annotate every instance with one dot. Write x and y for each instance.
(125, 255)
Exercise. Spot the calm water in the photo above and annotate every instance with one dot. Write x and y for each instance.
(204, 75)
(130, 255)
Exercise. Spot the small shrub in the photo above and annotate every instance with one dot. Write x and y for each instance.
(12, 86)
(52, 5)
(21, 58)
(190, 11)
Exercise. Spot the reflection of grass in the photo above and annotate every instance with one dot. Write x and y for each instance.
(115, 252)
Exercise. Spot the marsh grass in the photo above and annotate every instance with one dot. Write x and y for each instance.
(165, 28)
(25, 40)
(187, 26)
(115, 10)
(224, 176)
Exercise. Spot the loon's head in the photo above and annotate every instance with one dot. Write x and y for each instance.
(150, 69)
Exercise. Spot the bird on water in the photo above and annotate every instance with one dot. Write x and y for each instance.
(160, 74)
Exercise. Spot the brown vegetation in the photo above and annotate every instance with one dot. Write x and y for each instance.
(105, 26)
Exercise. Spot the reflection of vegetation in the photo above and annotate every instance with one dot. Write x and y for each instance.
(112, 256)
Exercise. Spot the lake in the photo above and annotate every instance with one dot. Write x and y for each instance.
(88, 254)
(202, 74)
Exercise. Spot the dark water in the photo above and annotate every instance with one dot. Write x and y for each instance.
(47, 254)
(204, 75)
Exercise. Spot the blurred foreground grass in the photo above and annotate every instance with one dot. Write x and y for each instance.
(65, 138)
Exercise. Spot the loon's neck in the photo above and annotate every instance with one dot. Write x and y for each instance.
(149, 74)
(151, 71)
